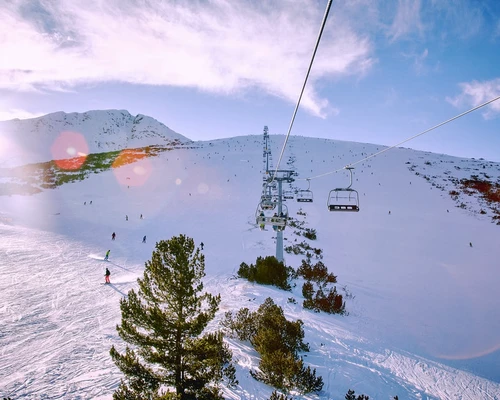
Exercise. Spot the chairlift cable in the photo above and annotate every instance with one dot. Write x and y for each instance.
(303, 86)
(404, 141)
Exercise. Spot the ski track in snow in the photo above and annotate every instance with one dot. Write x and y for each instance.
(58, 320)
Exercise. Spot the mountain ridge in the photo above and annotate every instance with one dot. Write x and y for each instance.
(61, 135)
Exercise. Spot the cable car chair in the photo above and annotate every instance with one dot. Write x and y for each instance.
(343, 199)
(288, 195)
(267, 203)
(267, 200)
(305, 196)
(263, 217)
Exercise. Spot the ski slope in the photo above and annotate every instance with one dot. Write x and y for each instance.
(424, 317)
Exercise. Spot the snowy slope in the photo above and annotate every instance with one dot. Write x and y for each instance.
(423, 322)
(60, 135)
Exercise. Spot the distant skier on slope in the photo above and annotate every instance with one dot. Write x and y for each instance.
(113, 236)
(106, 276)
(144, 239)
(202, 245)
(107, 255)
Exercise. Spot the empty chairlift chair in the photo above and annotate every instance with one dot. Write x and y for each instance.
(343, 199)
(305, 196)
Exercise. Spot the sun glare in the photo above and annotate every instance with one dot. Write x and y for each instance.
(132, 168)
(69, 150)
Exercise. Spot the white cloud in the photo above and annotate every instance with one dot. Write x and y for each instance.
(475, 93)
(14, 113)
(222, 46)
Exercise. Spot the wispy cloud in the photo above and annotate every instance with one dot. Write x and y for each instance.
(220, 46)
(14, 113)
(475, 93)
(407, 19)
(442, 20)
(418, 61)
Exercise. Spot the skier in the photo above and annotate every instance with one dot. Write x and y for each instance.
(126, 217)
(201, 245)
(470, 244)
(90, 202)
(144, 239)
(107, 255)
(141, 216)
(113, 236)
(106, 276)
(84, 203)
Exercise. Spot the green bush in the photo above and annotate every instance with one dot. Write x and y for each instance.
(351, 395)
(310, 234)
(308, 290)
(278, 341)
(303, 248)
(267, 271)
(242, 324)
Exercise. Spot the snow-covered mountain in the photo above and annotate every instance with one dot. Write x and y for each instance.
(50, 136)
(418, 267)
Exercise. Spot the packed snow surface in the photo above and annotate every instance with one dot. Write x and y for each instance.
(424, 317)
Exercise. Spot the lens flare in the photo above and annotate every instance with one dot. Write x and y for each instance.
(68, 145)
(469, 355)
(132, 167)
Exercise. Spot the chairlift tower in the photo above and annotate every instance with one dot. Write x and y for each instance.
(267, 153)
(280, 176)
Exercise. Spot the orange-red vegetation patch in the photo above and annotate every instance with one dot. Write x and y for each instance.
(129, 156)
(490, 191)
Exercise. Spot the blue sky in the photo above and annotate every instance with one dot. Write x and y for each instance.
(385, 70)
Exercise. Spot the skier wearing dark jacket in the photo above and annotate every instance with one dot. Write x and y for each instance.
(106, 276)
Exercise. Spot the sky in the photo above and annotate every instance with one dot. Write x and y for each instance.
(384, 70)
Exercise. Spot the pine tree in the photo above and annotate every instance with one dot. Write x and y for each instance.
(163, 322)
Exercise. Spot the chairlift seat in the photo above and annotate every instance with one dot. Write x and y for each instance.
(305, 196)
(343, 207)
(275, 221)
(343, 199)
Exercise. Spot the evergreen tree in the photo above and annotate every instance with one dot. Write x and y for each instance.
(163, 321)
